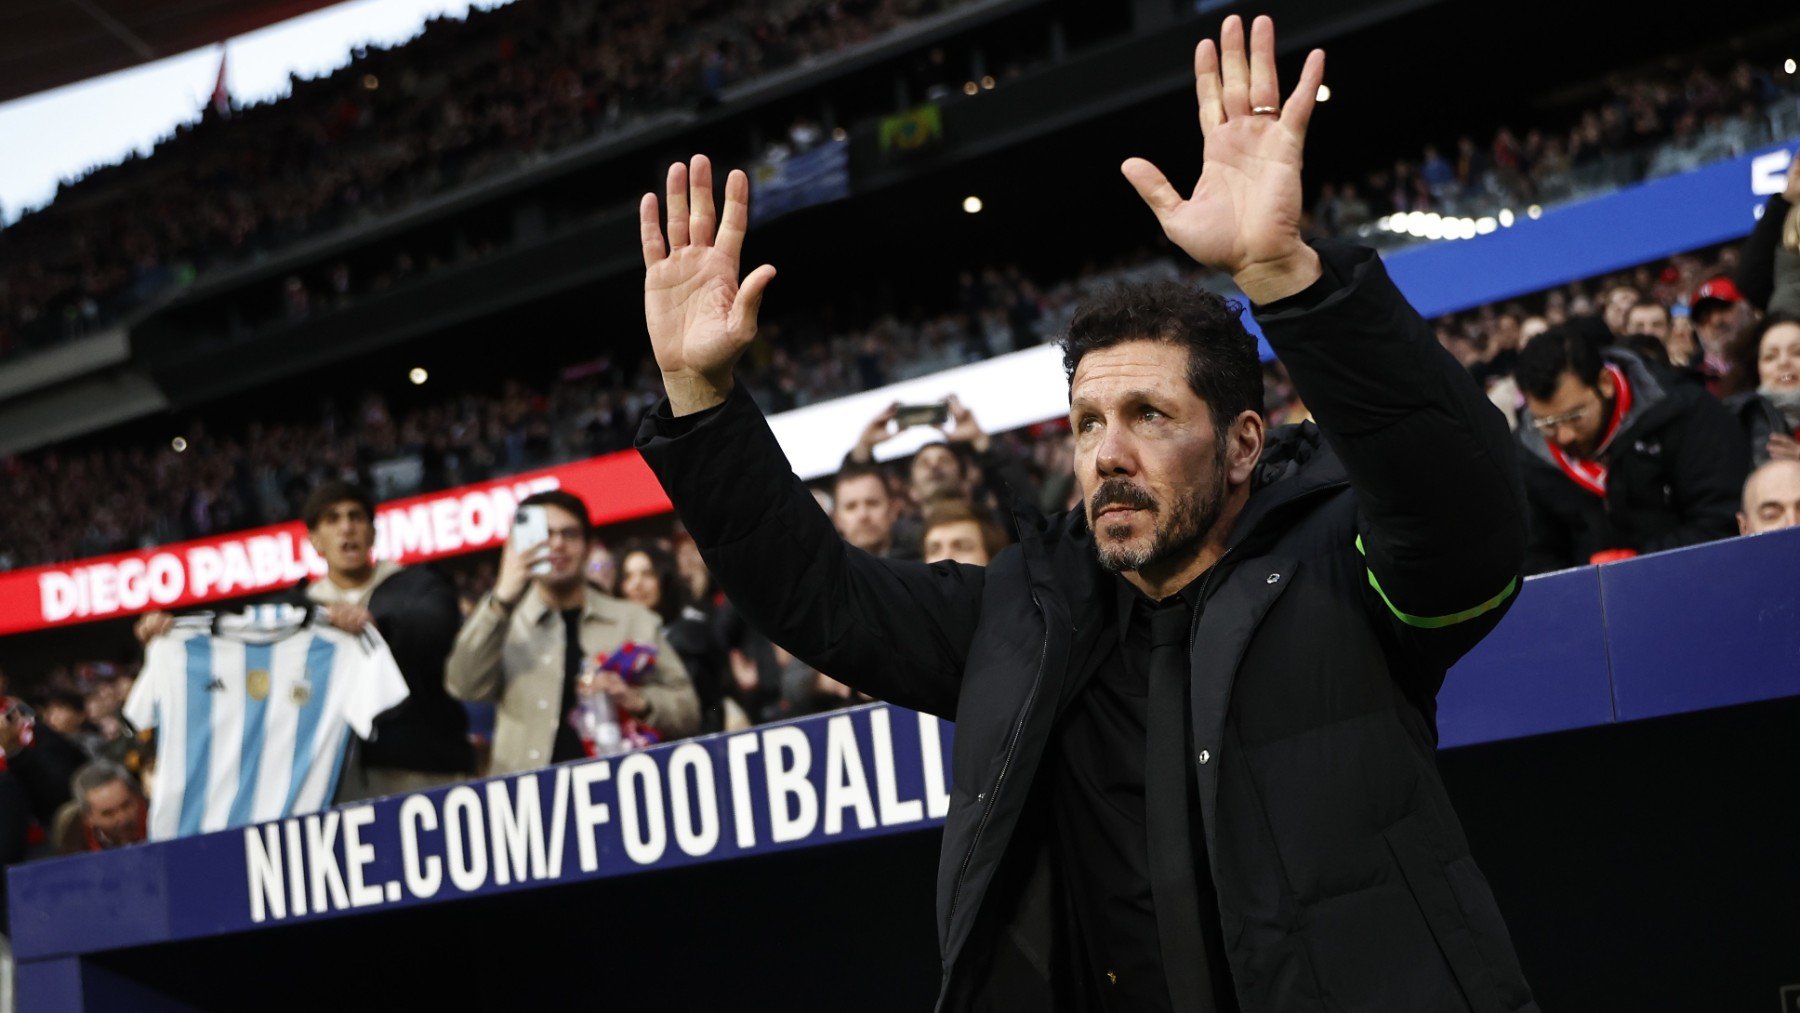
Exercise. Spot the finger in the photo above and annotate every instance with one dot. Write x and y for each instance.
(678, 206)
(650, 230)
(737, 214)
(1265, 85)
(704, 218)
(1234, 69)
(1152, 186)
(749, 299)
(1299, 109)
(1207, 87)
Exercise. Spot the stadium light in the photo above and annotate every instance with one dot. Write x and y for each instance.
(838, 133)
(418, 375)
(970, 87)
(178, 444)
(987, 81)
(371, 82)
(1324, 93)
(1789, 65)
(972, 204)
(1534, 212)
(1506, 218)
(1485, 225)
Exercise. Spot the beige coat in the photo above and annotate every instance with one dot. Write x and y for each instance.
(517, 662)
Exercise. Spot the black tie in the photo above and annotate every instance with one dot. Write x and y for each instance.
(1166, 803)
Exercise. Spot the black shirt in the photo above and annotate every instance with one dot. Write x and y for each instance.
(1099, 818)
(568, 743)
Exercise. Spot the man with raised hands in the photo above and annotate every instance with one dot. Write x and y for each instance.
(1194, 763)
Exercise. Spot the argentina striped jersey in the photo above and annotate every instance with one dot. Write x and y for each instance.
(253, 713)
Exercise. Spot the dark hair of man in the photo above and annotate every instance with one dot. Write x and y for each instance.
(330, 493)
(1565, 348)
(953, 510)
(565, 501)
(1222, 364)
(98, 774)
(66, 698)
(852, 471)
(674, 593)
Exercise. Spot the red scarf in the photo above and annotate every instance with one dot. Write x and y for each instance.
(1591, 475)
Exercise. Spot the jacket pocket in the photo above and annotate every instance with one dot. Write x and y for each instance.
(1466, 925)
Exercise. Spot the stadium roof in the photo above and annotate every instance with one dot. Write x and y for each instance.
(49, 43)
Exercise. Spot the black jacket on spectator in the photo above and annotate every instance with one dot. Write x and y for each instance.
(416, 612)
(1759, 419)
(1363, 565)
(703, 655)
(1768, 273)
(1675, 474)
(45, 769)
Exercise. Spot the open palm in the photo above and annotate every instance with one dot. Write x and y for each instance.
(700, 317)
(1244, 213)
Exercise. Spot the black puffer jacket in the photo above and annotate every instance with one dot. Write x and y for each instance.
(1358, 572)
(1675, 473)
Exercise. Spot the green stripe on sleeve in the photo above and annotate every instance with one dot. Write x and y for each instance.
(1438, 622)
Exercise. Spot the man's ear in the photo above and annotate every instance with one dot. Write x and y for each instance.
(1244, 446)
(1607, 388)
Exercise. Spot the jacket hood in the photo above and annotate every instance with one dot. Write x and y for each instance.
(1651, 405)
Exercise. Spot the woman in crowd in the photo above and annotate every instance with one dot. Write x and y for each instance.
(649, 576)
(1771, 412)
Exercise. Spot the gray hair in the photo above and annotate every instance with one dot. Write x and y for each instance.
(99, 774)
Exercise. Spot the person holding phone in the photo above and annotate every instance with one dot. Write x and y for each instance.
(530, 641)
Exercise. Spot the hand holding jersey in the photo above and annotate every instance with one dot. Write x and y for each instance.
(253, 714)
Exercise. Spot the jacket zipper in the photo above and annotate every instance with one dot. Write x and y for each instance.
(993, 795)
(1200, 605)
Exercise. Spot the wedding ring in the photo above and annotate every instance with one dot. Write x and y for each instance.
(1266, 110)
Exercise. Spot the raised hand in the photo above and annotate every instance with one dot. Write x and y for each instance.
(1244, 215)
(700, 317)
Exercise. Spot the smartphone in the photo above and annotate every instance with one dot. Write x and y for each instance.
(531, 528)
(934, 414)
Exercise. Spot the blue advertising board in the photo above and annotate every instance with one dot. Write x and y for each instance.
(1704, 627)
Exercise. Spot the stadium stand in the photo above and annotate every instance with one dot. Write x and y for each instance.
(472, 101)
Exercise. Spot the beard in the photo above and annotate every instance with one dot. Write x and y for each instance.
(1176, 527)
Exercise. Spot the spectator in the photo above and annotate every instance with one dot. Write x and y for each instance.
(1718, 313)
(112, 810)
(954, 468)
(514, 651)
(65, 711)
(1652, 318)
(864, 508)
(1617, 460)
(649, 576)
(1771, 498)
(956, 531)
(424, 742)
(1769, 273)
(1616, 307)
(1770, 414)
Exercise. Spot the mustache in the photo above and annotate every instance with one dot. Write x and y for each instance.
(1119, 492)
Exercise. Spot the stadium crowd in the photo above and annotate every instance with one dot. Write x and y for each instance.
(466, 99)
(1619, 374)
(1646, 127)
(510, 85)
